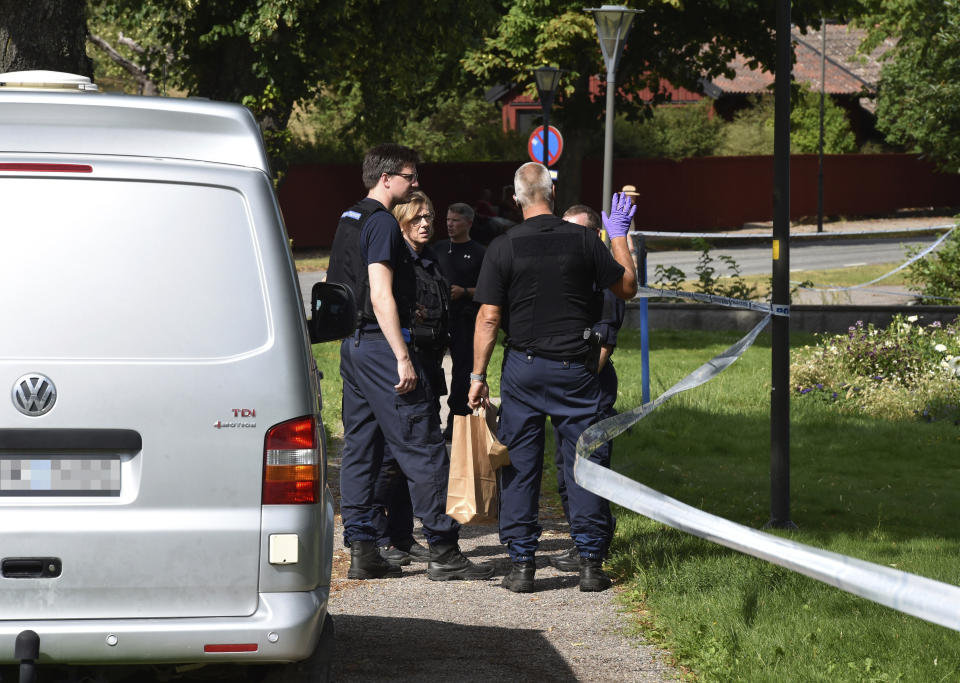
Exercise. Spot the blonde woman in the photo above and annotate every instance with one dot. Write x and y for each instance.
(393, 509)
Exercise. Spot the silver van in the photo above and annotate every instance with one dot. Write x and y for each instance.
(163, 492)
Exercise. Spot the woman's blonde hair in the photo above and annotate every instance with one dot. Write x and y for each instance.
(404, 212)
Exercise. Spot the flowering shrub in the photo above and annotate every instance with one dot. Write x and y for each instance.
(906, 369)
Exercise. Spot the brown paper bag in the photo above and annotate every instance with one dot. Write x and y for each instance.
(475, 455)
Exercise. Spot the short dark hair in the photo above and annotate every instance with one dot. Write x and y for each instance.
(386, 158)
(464, 210)
(593, 218)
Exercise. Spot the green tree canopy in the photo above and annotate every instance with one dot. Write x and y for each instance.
(383, 64)
(919, 96)
(266, 54)
(838, 137)
(681, 42)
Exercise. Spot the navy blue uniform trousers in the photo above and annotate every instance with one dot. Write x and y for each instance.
(608, 397)
(393, 510)
(532, 388)
(374, 415)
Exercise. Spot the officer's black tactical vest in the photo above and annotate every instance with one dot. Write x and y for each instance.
(433, 295)
(347, 266)
(556, 267)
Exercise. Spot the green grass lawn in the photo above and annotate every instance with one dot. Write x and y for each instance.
(308, 260)
(881, 491)
(847, 277)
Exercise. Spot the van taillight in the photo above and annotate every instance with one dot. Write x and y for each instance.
(291, 463)
(47, 168)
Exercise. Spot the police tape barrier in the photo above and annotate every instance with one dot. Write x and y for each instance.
(927, 599)
(916, 257)
(730, 302)
(605, 430)
(921, 597)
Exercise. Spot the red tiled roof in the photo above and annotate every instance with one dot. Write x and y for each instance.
(847, 73)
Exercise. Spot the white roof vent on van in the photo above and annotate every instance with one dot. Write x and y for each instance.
(46, 80)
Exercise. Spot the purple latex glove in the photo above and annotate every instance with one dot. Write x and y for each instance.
(621, 213)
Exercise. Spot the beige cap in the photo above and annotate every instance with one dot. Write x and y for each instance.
(630, 191)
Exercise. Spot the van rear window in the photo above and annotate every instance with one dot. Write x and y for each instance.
(109, 269)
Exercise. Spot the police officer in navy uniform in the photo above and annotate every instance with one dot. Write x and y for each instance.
(540, 280)
(460, 258)
(613, 310)
(394, 511)
(386, 394)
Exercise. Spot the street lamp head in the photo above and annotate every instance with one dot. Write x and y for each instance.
(548, 77)
(613, 25)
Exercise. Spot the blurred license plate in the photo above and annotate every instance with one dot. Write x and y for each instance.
(59, 476)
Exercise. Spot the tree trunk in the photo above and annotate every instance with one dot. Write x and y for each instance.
(578, 125)
(44, 34)
(569, 169)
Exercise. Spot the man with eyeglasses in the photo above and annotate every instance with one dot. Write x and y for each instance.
(386, 394)
(460, 258)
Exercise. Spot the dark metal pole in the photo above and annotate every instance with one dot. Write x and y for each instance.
(546, 103)
(640, 245)
(780, 360)
(546, 136)
(823, 89)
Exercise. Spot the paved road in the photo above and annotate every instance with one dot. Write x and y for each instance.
(806, 253)
(757, 259)
(307, 281)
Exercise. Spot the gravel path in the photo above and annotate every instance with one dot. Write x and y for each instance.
(414, 629)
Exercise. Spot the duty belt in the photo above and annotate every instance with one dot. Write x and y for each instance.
(378, 334)
(578, 358)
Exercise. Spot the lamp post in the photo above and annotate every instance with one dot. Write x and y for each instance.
(823, 90)
(547, 79)
(780, 325)
(613, 25)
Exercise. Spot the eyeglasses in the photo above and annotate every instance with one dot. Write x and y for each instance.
(409, 177)
(421, 218)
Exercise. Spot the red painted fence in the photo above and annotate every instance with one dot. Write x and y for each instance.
(710, 193)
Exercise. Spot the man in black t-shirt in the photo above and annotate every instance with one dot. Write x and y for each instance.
(540, 280)
(460, 258)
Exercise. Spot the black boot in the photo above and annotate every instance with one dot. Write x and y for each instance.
(366, 562)
(448, 563)
(395, 556)
(592, 577)
(566, 562)
(416, 551)
(520, 578)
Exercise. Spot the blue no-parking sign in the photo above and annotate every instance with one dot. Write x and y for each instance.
(535, 145)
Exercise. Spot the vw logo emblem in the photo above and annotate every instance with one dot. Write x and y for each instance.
(34, 395)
